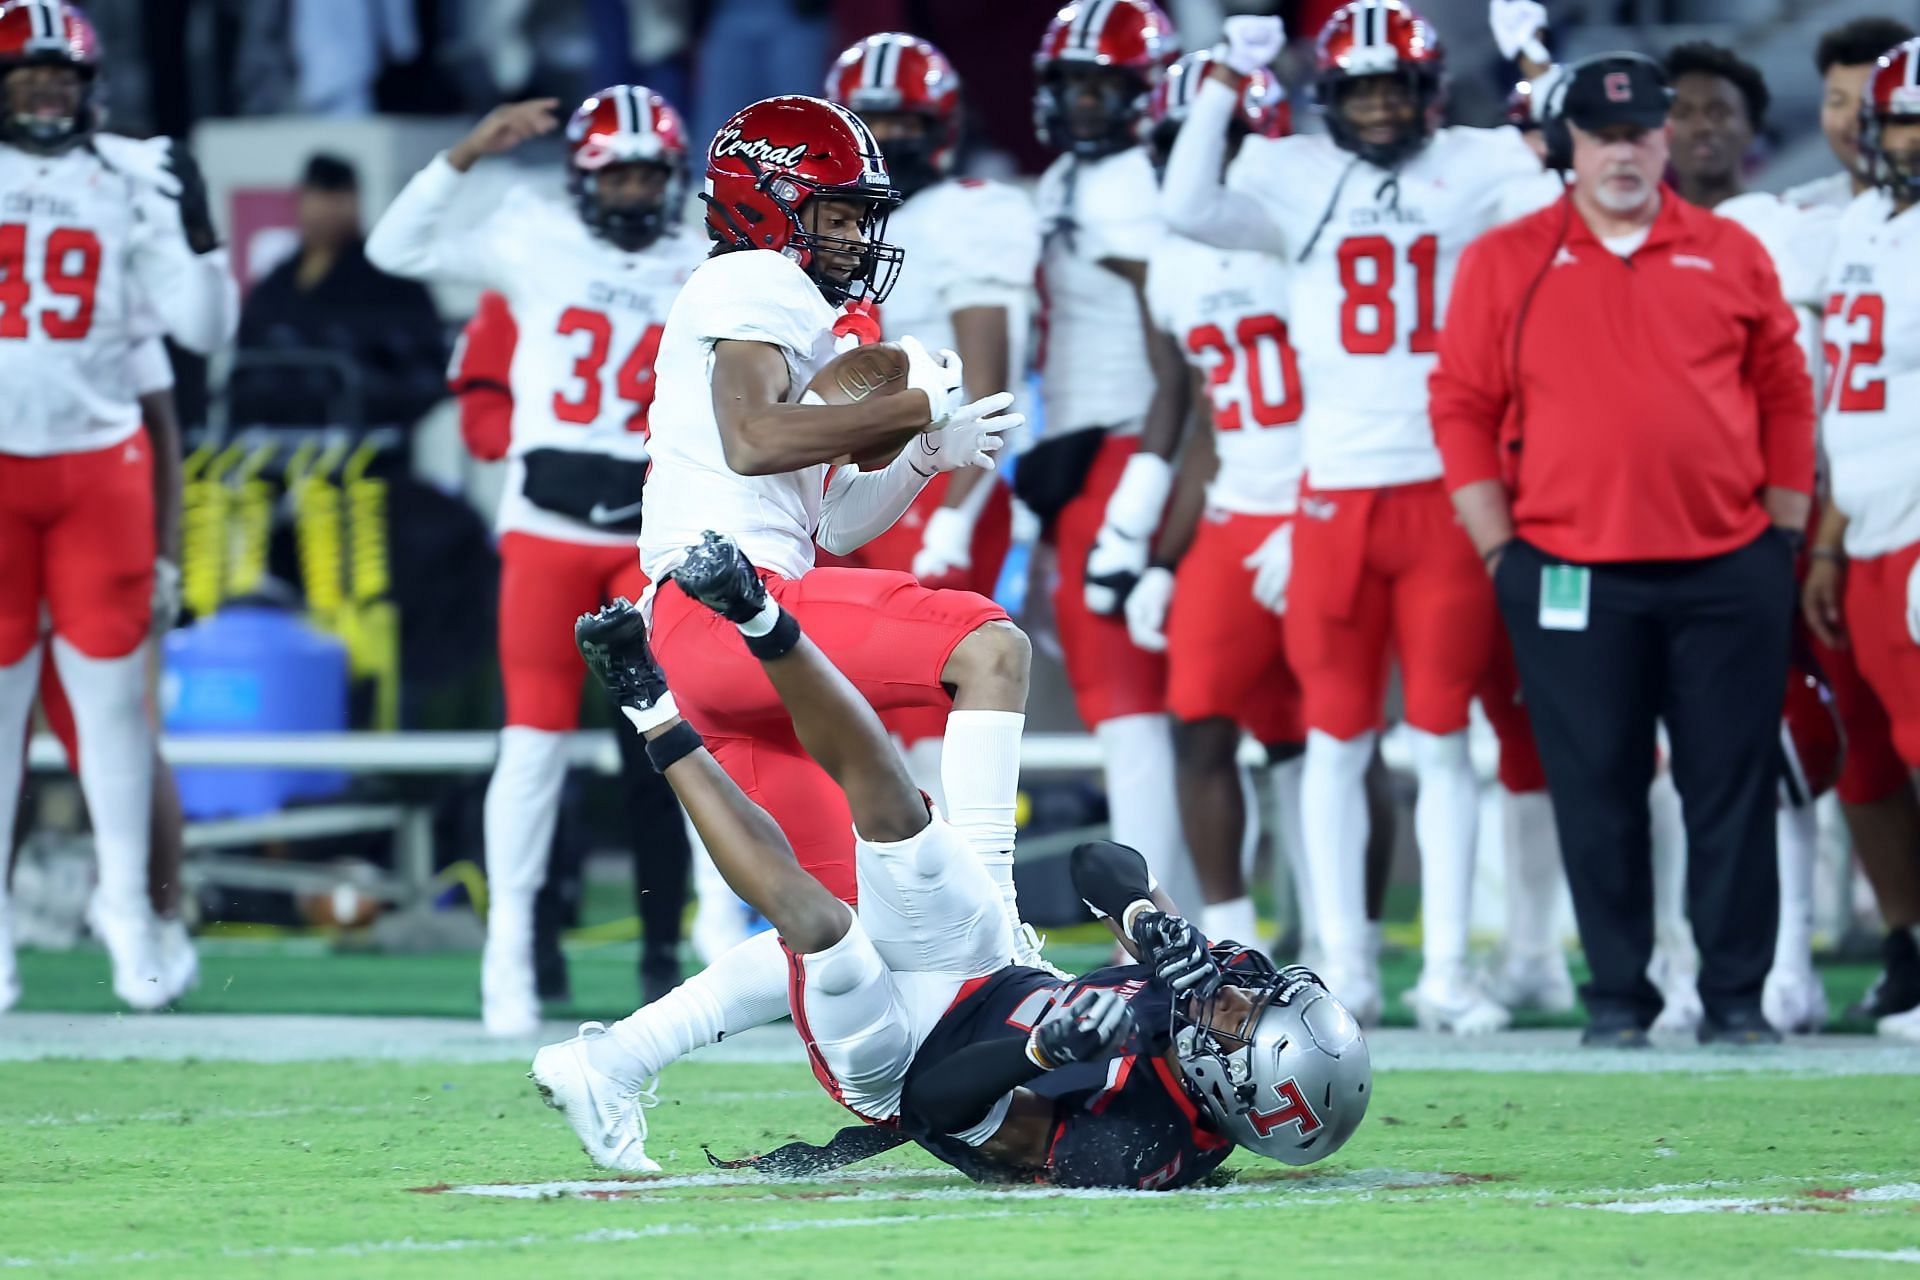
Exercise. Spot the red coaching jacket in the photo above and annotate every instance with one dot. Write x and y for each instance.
(1644, 403)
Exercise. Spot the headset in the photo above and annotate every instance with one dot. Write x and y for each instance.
(1553, 116)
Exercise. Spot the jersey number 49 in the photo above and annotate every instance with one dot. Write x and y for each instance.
(72, 274)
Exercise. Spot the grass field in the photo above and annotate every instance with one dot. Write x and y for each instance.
(1523, 1157)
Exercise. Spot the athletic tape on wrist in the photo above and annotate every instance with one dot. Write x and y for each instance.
(776, 643)
(672, 746)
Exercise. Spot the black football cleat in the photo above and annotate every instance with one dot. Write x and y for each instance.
(614, 644)
(1897, 989)
(1614, 1032)
(1744, 1028)
(719, 575)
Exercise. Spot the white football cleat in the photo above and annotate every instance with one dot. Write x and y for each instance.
(1902, 1026)
(509, 997)
(133, 946)
(1794, 1001)
(179, 963)
(1026, 951)
(1535, 982)
(1676, 975)
(1357, 986)
(610, 1122)
(1455, 1001)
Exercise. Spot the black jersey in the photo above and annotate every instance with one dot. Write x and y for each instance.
(1124, 1122)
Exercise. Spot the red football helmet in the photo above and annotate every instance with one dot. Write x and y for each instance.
(1892, 96)
(626, 124)
(1810, 741)
(49, 33)
(1368, 38)
(895, 74)
(1132, 40)
(1264, 109)
(767, 162)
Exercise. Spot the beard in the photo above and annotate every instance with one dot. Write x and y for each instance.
(1618, 199)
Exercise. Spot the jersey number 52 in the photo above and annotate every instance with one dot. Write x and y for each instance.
(1845, 391)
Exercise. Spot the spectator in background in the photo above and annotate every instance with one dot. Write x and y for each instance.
(746, 50)
(326, 336)
(1626, 422)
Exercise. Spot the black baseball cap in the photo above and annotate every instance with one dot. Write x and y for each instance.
(1614, 89)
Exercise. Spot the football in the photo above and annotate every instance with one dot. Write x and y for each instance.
(876, 369)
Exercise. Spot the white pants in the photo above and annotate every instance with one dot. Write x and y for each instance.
(930, 920)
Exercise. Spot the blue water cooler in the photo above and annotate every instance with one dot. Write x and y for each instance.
(253, 669)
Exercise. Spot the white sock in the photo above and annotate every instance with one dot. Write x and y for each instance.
(1333, 816)
(924, 763)
(980, 767)
(523, 803)
(743, 989)
(1446, 820)
(18, 685)
(1531, 846)
(1232, 921)
(1669, 831)
(762, 622)
(109, 697)
(1799, 840)
(1291, 845)
(1142, 804)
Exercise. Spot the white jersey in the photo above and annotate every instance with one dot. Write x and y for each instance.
(1368, 297)
(1835, 191)
(1227, 310)
(1872, 334)
(1093, 368)
(93, 261)
(749, 296)
(968, 244)
(588, 317)
(1799, 240)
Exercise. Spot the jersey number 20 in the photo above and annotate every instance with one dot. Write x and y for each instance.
(72, 272)
(1269, 356)
(633, 383)
(1368, 323)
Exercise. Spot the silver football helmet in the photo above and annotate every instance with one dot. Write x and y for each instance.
(1278, 1063)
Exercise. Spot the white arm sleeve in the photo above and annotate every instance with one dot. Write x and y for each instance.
(1194, 199)
(193, 296)
(148, 367)
(413, 238)
(859, 506)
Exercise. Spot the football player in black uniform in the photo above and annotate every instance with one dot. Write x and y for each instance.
(1141, 1076)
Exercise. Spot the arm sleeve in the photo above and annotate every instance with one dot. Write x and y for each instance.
(413, 238)
(148, 367)
(1195, 201)
(956, 1093)
(193, 296)
(1776, 369)
(1468, 392)
(859, 506)
(480, 375)
(1111, 877)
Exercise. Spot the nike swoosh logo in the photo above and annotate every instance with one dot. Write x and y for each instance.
(603, 514)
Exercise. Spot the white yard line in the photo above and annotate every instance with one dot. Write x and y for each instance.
(1866, 1255)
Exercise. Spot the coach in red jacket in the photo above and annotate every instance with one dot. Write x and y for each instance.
(1627, 426)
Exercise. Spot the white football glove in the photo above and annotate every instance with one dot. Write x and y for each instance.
(1147, 606)
(1272, 565)
(946, 547)
(937, 376)
(969, 437)
(1913, 604)
(1517, 25)
(166, 594)
(1119, 554)
(1253, 42)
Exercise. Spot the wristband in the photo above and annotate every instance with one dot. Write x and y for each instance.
(1140, 497)
(673, 746)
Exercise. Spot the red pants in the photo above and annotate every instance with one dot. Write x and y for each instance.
(1226, 652)
(887, 634)
(1870, 768)
(544, 585)
(1110, 674)
(76, 534)
(1876, 608)
(1378, 571)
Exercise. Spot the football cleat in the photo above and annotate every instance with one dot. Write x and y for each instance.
(131, 942)
(610, 1121)
(179, 963)
(1676, 976)
(1537, 982)
(719, 575)
(1902, 1026)
(1027, 944)
(1897, 988)
(613, 643)
(1794, 1001)
(1747, 1028)
(1356, 985)
(1454, 1001)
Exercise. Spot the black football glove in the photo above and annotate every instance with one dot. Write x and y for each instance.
(196, 210)
(1177, 953)
(1091, 1027)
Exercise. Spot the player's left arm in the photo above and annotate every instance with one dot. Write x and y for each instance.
(1776, 368)
(176, 261)
(153, 384)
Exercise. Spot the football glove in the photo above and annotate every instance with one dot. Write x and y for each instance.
(1119, 554)
(1177, 953)
(938, 377)
(196, 209)
(1517, 25)
(1147, 606)
(1088, 1029)
(969, 437)
(1253, 42)
(1272, 565)
(946, 548)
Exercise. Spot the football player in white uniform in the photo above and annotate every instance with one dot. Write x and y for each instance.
(1097, 62)
(1883, 815)
(98, 236)
(973, 246)
(589, 291)
(1872, 342)
(1372, 217)
(797, 197)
